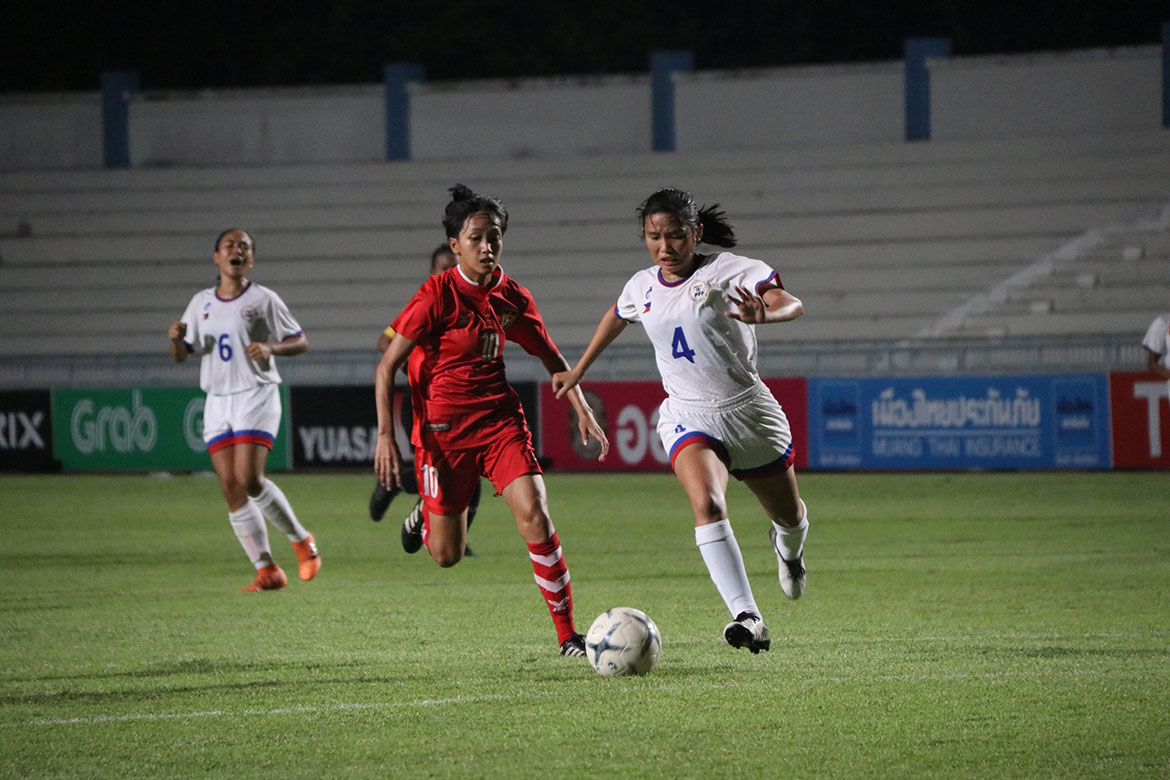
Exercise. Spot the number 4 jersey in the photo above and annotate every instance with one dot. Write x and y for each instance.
(703, 355)
(219, 329)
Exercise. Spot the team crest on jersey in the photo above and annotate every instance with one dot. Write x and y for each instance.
(699, 290)
(251, 313)
(507, 317)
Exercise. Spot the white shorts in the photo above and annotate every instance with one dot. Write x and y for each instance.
(749, 431)
(247, 417)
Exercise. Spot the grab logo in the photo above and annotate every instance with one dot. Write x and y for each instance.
(193, 424)
(123, 429)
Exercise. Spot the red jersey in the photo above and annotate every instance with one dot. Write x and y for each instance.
(460, 392)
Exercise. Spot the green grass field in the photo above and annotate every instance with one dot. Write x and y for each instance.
(955, 625)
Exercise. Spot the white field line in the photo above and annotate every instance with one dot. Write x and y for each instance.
(90, 720)
(298, 710)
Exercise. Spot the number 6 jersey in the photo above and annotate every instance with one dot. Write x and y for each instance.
(702, 354)
(219, 329)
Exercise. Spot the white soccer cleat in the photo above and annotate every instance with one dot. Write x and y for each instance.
(748, 630)
(791, 572)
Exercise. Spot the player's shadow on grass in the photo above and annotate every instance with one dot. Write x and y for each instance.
(293, 675)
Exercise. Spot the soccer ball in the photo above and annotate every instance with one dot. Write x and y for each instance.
(623, 640)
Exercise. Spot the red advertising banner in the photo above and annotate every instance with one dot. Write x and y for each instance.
(1140, 406)
(629, 413)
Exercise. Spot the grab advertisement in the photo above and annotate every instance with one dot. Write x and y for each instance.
(628, 411)
(141, 429)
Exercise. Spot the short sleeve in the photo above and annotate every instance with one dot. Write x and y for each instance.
(1155, 339)
(631, 301)
(418, 318)
(284, 324)
(191, 319)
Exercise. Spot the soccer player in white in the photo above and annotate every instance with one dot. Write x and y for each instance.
(718, 419)
(1157, 344)
(239, 328)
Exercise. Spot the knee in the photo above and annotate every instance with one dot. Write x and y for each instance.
(710, 508)
(446, 555)
(254, 485)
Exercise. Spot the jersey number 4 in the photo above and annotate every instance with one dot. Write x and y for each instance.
(679, 347)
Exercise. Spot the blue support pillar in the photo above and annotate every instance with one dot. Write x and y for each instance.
(1165, 74)
(397, 76)
(117, 88)
(663, 66)
(916, 51)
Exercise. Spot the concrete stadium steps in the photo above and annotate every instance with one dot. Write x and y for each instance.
(879, 240)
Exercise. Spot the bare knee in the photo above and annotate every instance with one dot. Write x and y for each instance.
(446, 558)
(709, 508)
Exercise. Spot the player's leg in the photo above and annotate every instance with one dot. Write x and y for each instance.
(527, 499)
(257, 419)
(246, 520)
(445, 483)
(472, 509)
(704, 476)
(779, 495)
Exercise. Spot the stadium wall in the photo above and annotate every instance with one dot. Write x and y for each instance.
(969, 97)
(1008, 422)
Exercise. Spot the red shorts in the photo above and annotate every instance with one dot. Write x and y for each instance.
(446, 478)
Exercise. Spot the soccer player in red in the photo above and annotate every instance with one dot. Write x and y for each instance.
(467, 418)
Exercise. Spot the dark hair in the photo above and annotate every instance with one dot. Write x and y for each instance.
(219, 238)
(441, 249)
(464, 203)
(717, 230)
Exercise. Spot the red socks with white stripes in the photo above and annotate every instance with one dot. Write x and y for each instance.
(552, 577)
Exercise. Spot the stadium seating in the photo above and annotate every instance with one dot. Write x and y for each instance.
(881, 241)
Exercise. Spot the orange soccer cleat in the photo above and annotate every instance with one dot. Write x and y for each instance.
(308, 559)
(268, 578)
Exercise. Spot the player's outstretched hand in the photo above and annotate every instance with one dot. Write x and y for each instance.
(587, 424)
(752, 309)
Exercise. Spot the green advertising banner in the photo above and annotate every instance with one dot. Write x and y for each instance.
(148, 429)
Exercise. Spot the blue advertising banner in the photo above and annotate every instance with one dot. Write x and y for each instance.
(992, 422)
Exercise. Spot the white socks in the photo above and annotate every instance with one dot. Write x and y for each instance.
(721, 553)
(278, 511)
(249, 526)
(790, 541)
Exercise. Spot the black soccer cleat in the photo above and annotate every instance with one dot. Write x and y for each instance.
(574, 646)
(748, 630)
(380, 500)
(412, 529)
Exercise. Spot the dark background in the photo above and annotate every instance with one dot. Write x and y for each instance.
(64, 46)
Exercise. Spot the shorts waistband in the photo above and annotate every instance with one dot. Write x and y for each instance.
(737, 400)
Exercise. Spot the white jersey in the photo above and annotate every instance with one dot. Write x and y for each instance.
(702, 354)
(1157, 338)
(220, 328)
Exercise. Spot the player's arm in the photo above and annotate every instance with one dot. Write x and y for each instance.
(260, 351)
(384, 339)
(387, 459)
(586, 422)
(179, 349)
(1154, 365)
(610, 327)
(774, 304)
